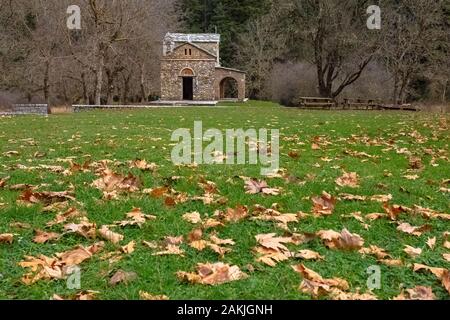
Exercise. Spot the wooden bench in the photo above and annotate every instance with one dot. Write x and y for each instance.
(402, 107)
(362, 104)
(314, 102)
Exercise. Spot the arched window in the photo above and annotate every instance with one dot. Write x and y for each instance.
(187, 72)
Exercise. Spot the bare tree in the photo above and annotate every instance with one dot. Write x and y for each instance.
(258, 48)
(333, 36)
(118, 40)
(413, 36)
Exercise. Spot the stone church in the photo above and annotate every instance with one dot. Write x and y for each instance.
(191, 71)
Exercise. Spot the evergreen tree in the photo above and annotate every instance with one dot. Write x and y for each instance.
(227, 17)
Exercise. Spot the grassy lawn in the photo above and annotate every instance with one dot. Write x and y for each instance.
(389, 138)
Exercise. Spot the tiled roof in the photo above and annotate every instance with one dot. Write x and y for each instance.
(193, 37)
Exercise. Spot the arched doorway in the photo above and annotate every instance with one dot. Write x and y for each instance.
(229, 89)
(187, 75)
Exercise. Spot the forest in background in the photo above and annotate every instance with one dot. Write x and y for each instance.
(289, 48)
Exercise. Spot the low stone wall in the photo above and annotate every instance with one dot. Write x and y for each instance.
(24, 109)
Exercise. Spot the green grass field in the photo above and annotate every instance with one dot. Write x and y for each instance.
(389, 138)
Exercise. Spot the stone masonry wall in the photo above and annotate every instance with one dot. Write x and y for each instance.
(27, 109)
(172, 82)
(222, 73)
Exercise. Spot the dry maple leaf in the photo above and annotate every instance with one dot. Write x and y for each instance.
(236, 214)
(378, 252)
(255, 187)
(351, 197)
(271, 214)
(129, 248)
(218, 241)
(348, 180)
(308, 255)
(429, 213)
(170, 250)
(122, 277)
(74, 257)
(446, 256)
(213, 274)
(314, 284)
(416, 231)
(394, 211)
(442, 274)
(109, 235)
(83, 228)
(417, 293)
(196, 242)
(150, 297)
(344, 240)
(446, 280)
(195, 235)
(415, 163)
(193, 217)
(337, 294)
(324, 205)
(382, 198)
(110, 181)
(6, 238)
(212, 223)
(43, 267)
(391, 262)
(438, 272)
(135, 218)
(87, 295)
(270, 241)
(431, 243)
(3, 182)
(71, 213)
(174, 240)
(446, 235)
(143, 165)
(271, 257)
(208, 187)
(412, 252)
(43, 237)
(29, 197)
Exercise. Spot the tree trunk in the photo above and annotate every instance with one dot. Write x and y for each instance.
(126, 89)
(395, 94)
(444, 93)
(85, 91)
(99, 77)
(47, 82)
(143, 91)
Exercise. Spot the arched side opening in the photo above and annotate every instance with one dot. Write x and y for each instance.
(229, 89)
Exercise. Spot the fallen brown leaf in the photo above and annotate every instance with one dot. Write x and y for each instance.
(150, 297)
(416, 231)
(412, 252)
(6, 238)
(417, 293)
(43, 237)
(109, 235)
(122, 277)
(348, 180)
(213, 274)
(324, 205)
